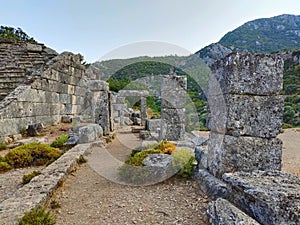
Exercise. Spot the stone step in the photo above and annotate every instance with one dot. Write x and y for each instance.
(222, 211)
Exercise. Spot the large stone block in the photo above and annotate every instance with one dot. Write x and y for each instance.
(97, 85)
(89, 133)
(222, 211)
(173, 115)
(172, 131)
(229, 154)
(246, 73)
(173, 92)
(271, 197)
(246, 115)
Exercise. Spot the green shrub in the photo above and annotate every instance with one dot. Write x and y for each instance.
(37, 217)
(60, 141)
(2, 146)
(28, 177)
(32, 154)
(286, 126)
(4, 166)
(137, 158)
(81, 160)
(183, 160)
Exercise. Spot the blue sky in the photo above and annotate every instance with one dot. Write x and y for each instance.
(96, 27)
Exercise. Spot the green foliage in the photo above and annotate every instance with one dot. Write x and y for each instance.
(137, 158)
(60, 141)
(32, 154)
(15, 34)
(2, 146)
(37, 217)
(81, 160)
(264, 35)
(4, 167)
(28, 177)
(183, 159)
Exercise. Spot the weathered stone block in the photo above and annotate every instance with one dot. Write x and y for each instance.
(258, 116)
(223, 212)
(65, 99)
(271, 197)
(173, 92)
(172, 131)
(229, 154)
(97, 85)
(212, 186)
(173, 115)
(89, 133)
(153, 124)
(246, 73)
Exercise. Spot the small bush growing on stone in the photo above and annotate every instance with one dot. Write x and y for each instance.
(81, 160)
(28, 177)
(2, 146)
(37, 217)
(32, 154)
(4, 167)
(183, 160)
(138, 158)
(60, 141)
(166, 147)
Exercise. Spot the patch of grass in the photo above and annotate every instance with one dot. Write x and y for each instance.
(2, 146)
(286, 126)
(138, 158)
(28, 177)
(183, 160)
(54, 204)
(60, 141)
(81, 160)
(37, 217)
(32, 154)
(4, 167)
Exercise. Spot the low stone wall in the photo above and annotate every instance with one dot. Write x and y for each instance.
(39, 189)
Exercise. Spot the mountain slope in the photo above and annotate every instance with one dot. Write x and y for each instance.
(261, 36)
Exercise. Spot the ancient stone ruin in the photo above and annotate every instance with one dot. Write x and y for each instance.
(243, 158)
(240, 166)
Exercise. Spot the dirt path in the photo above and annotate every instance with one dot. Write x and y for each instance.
(291, 151)
(88, 198)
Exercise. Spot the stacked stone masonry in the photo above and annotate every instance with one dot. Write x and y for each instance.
(173, 100)
(52, 86)
(245, 113)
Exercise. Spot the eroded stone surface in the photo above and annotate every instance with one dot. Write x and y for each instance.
(228, 154)
(271, 197)
(222, 211)
(247, 73)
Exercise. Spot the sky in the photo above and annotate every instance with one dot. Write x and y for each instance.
(102, 29)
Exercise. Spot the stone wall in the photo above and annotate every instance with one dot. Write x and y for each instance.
(245, 113)
(49, 87)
